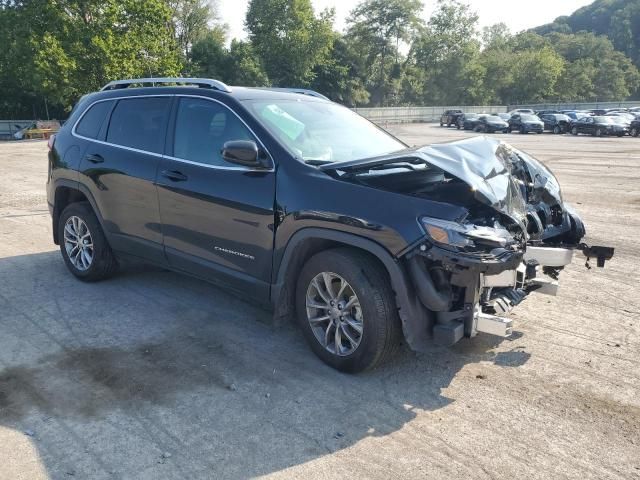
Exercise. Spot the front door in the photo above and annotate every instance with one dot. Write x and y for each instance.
(217, 218)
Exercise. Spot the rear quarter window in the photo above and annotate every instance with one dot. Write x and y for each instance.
(91, 122)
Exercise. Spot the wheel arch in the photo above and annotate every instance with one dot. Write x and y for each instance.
(68, 192)
(416, 320)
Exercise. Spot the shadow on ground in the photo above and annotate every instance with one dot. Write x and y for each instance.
(154, 372)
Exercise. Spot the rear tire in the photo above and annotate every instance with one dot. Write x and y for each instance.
(634, 132)
(94, 260)
(597, 133)
(522, 130)
(367, 280)
(556, 130)
(574, 131)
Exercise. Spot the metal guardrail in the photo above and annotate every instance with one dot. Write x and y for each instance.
(576, 106)
(384, 115)
(421, 114)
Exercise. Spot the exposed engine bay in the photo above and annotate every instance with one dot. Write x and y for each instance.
(515, 238)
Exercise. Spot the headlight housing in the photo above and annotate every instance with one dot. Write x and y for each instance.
(466, 237)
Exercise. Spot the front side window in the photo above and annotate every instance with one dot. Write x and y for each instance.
(91, 122)
(202, 128)
(140, 123)
(321, 132)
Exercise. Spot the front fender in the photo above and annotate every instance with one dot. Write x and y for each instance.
(417, 321)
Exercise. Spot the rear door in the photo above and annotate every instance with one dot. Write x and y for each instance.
(217, 217)
(119, 169)
(548, 121)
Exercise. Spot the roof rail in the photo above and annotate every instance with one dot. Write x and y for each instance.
(301, 91)
(200, 82)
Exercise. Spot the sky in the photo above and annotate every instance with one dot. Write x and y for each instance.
(517, 14)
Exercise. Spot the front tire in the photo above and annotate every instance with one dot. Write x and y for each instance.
(84, 247)
(346, 309)
(522, 130)
(634, 132)
(556, 130)
(574, 131)
(598, 132)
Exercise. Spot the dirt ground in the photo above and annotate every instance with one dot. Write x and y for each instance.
(152, 375)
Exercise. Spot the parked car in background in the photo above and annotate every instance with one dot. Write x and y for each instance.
(624, 117)
(450, 117)
(576, 114)
(600, 111)
(555, 122)
(521, 110)
(545, 112)
(490, 124)
(634, 128)
(468, 121)
(503, 116)
(598, 126)
(525, 123)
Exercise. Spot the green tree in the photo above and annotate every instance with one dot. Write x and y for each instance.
(289, 38)
(448, 52)
(191, 19)
(338, 76)
(208, 57)
(377, 30)
(243, 66)
(61, 50)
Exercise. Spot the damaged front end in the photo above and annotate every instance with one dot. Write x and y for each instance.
(515, 237)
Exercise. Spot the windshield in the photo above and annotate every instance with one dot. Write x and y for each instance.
(561, 117)
(529, 118)
(322, 132)
(493, 118)
(603, 119)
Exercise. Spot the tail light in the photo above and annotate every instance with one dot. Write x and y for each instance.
(51, 141)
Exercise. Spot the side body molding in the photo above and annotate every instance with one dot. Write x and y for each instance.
(417, 321)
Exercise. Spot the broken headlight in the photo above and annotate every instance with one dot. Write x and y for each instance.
(465, 236)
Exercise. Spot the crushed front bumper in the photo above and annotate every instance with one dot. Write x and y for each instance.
(471, 293)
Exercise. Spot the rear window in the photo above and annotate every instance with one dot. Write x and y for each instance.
(91, 122)
(140, 123)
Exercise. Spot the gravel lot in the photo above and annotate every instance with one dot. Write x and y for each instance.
(154, 375)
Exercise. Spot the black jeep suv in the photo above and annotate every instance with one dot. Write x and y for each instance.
(306, 207)
(450, 117)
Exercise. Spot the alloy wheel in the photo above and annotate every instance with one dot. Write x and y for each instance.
(334, 313)
(78, 243)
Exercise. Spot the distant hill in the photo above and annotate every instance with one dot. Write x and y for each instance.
(619, 20)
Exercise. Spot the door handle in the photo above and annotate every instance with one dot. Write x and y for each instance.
(174, 175)
(95, 158)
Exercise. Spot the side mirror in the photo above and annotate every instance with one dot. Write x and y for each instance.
(244, 152)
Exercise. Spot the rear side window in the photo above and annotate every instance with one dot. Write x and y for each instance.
(140, 123)
(202, 128)
(91, 122)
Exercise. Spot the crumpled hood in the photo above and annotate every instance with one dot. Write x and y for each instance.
(499, 175)
(484, 164)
